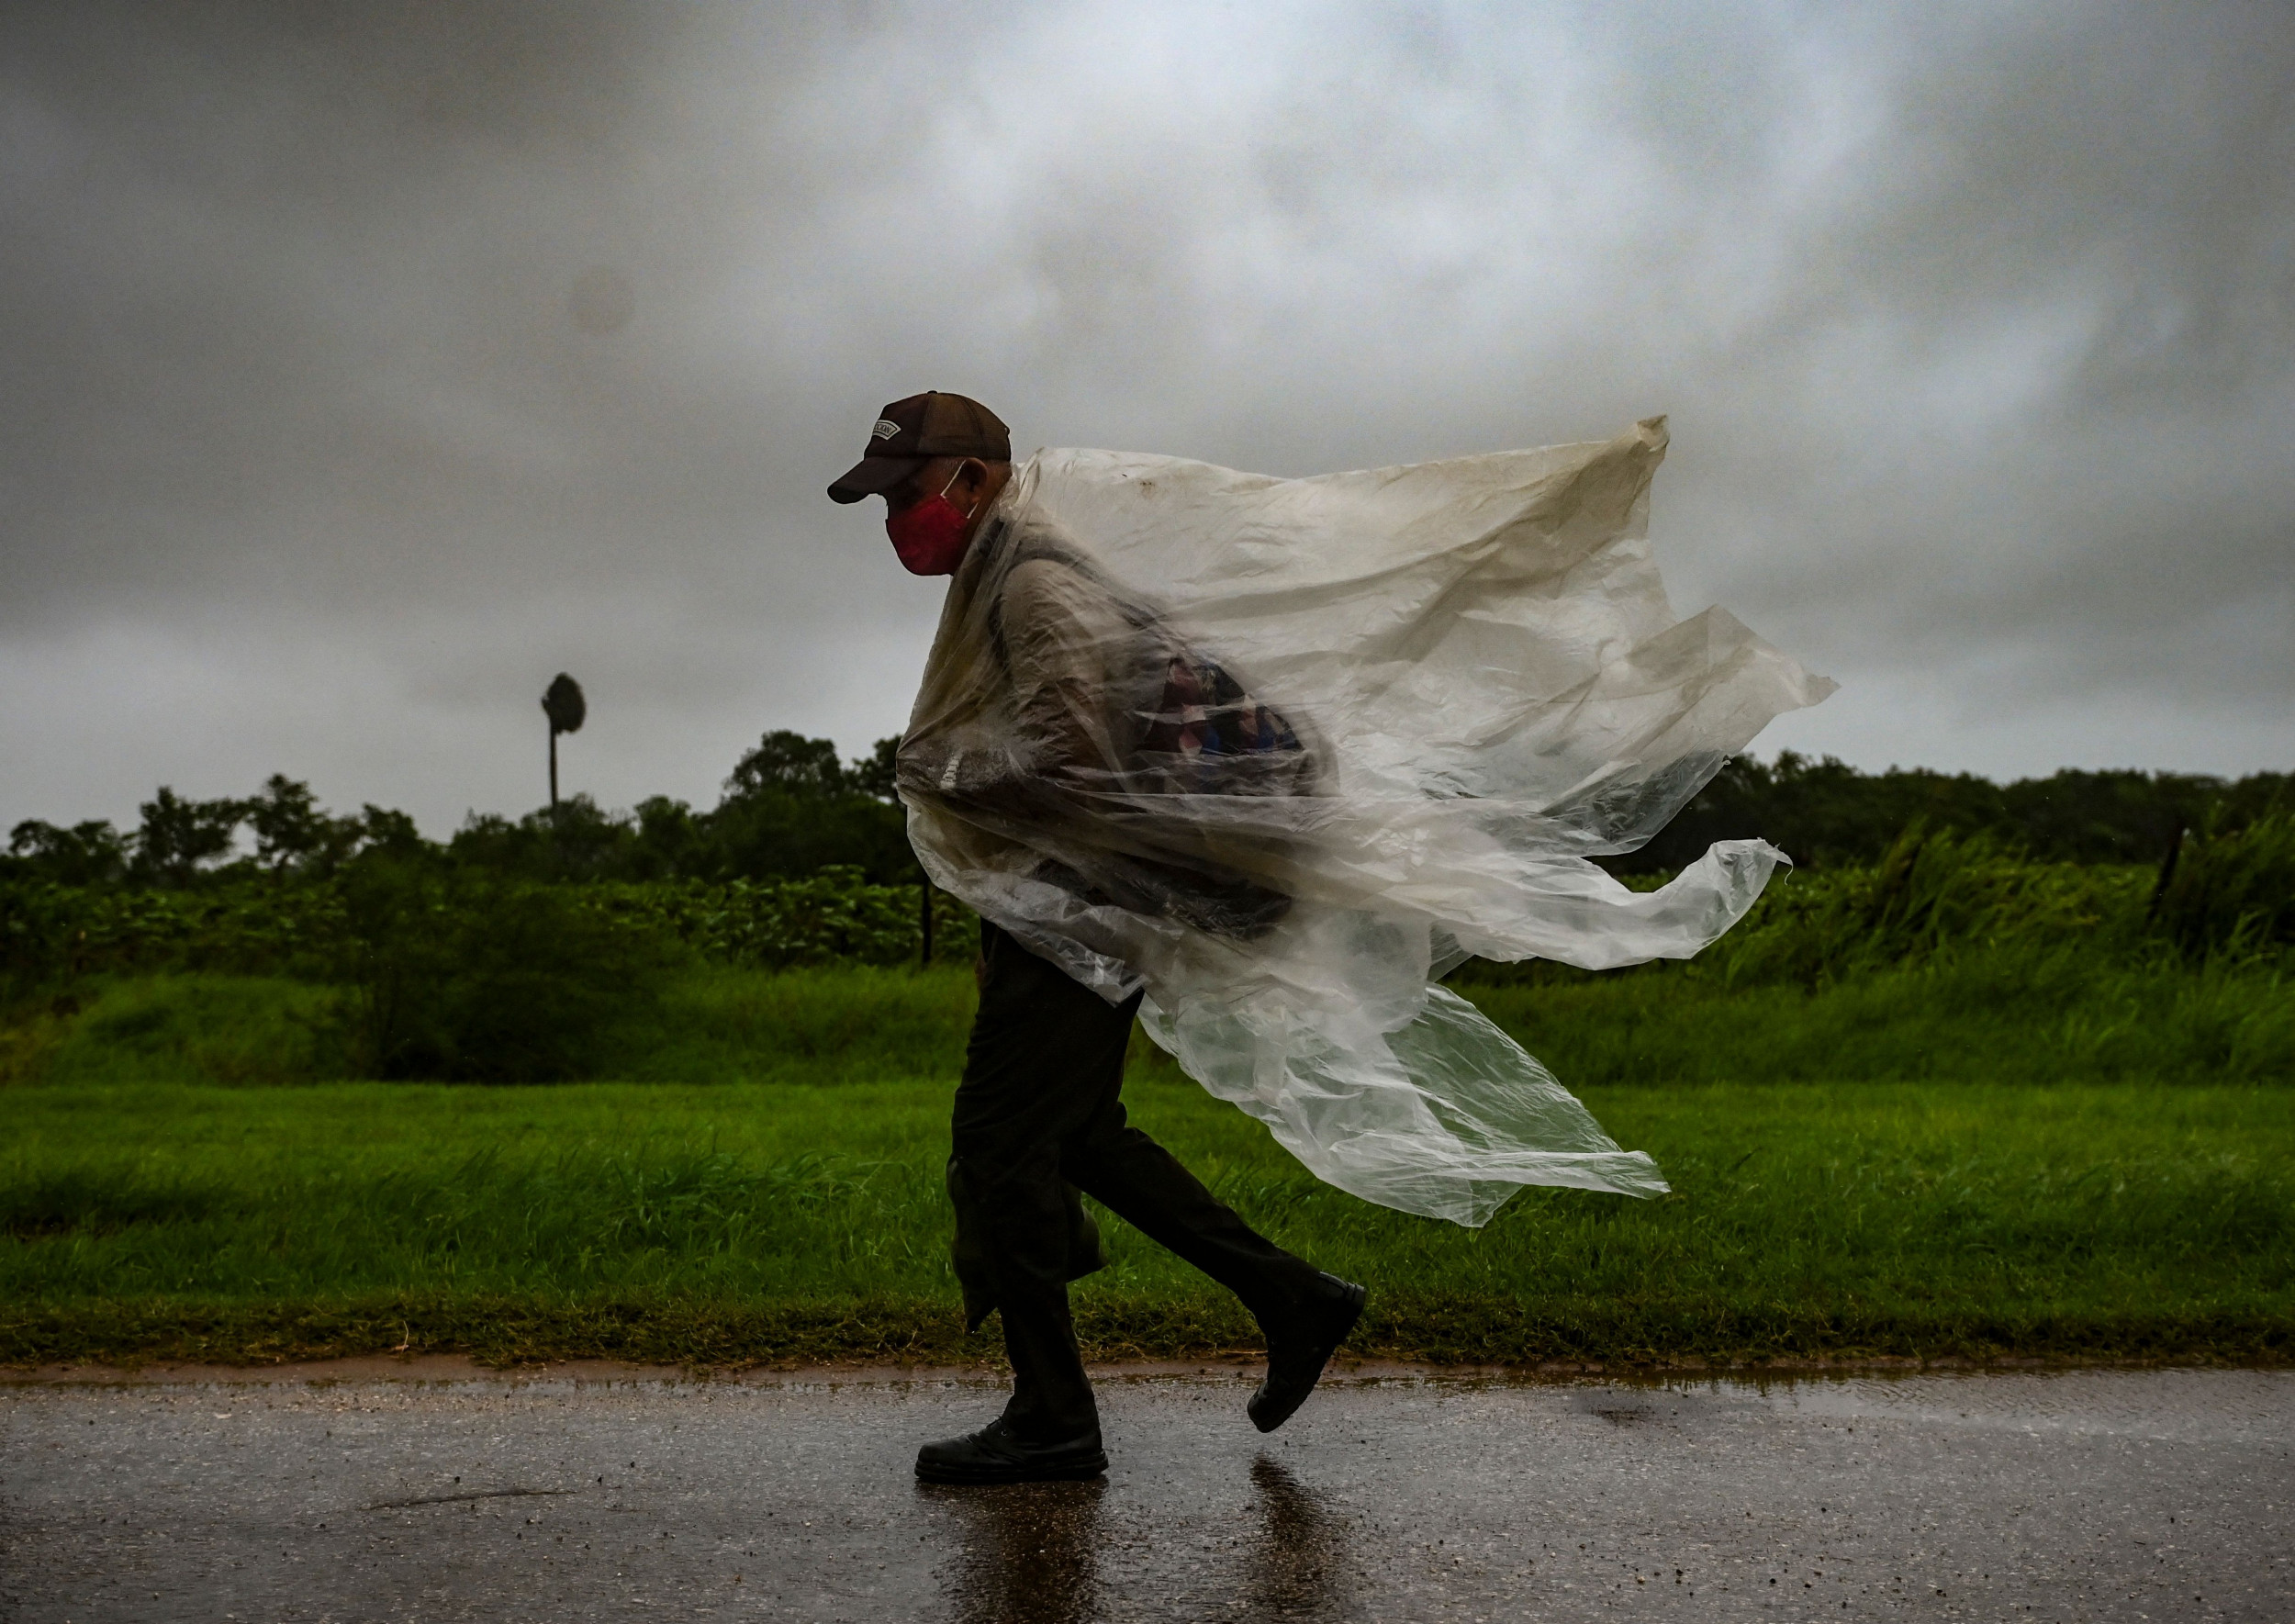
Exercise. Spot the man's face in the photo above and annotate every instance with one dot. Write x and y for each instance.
(927, 481)
(967, 482)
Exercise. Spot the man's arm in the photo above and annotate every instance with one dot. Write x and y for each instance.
(1064, 642)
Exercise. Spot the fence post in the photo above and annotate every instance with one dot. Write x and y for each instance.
(2166, 871)
(925, 913)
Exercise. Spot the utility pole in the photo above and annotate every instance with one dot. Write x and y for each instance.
(566, 710)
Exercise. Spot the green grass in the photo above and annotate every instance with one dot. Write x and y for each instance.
(714, 1023)
(2019, 1016)
(737, 1223)
(2006, 1150)
(720, 1024)
(2013, 1014)
(194, 1029)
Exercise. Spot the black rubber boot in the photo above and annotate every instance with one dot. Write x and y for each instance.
(1299, 1345)
(1050, 1430)
(1051, 1395)
(995, 1454)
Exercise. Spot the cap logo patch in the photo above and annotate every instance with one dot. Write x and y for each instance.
(885, 429)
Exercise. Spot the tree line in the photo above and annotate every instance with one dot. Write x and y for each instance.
(792, 806)
(1826, 814)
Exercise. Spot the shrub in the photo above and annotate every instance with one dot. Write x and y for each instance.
(464, 977)
(832, 917)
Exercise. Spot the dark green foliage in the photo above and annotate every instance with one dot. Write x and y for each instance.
(181, 842)
(1952, 958)
(671, 842)
(875, 774)
(293, 834)
(180, 838)
(775, 837)
(2232, 893)
(52, 937)
(89, 853)
(52, 934)
(1937, 896)
(466, 978)
(565, 704)
(791, 809)
(1931, 894)
(1975, 967)
(766, 834)
(573, 840)
(833, 916)
(1826, 815)
(391, 833)
(789, 763)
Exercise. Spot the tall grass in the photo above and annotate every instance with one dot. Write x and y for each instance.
(2022, 1014)
(702, 1022)
(2231, 895)
(721, 1023)
(2017, 1013)
(1953, 958)
(1932, 897)
(185, 1028)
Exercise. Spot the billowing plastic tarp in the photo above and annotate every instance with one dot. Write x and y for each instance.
(1282, 751)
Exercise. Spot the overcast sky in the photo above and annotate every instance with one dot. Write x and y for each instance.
(365, 365)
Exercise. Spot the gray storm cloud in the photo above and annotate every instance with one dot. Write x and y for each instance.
(368, 365)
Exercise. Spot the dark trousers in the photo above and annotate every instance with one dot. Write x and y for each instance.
(1040, 1109)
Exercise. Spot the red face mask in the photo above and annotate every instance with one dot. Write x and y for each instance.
(929, 534)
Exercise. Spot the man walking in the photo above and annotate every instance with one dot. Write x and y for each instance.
(1040, 1114)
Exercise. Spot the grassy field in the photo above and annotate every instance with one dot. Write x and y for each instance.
(1843, 1186)
(713, 1025)
(2015, 1015)
(1951, 1100)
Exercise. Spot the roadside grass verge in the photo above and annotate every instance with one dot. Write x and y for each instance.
(734, 1225)
(2024, 1012)
(2017, 1015)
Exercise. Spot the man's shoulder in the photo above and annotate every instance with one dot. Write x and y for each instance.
(1040, 575)
(1042, 562)
(1059, 594)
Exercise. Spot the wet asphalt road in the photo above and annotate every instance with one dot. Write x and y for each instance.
(2086, 1496)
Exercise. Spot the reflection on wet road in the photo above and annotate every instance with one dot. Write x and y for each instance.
(1295, 1561)
(2087, 1496)
(1031, 1554)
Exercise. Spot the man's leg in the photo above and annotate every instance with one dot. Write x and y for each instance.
(1042, 1102)
(1305, 1314)
(1043, 1050)
(1140, 1182)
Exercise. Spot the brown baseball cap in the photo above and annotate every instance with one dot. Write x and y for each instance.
(909, 433)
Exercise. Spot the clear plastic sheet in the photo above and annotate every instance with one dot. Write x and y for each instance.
(1283, 751)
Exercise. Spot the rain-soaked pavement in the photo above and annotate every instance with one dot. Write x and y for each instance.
(2083, 1495)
